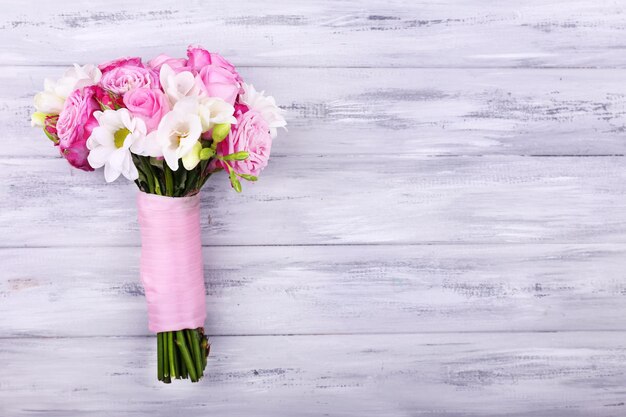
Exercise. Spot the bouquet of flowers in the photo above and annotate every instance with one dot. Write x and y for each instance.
(167, 125)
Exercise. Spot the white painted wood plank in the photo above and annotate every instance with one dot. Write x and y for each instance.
(548, 375)
(321, 290)
(334, 200)
(527, 33)
(340, 111)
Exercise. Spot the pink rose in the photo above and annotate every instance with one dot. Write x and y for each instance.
(148, 104)
(75, 124)
(219, 77)
(251, 134)
(108, 66)
(198, 58)
(125, 74)
(177, 64)
(108, 99)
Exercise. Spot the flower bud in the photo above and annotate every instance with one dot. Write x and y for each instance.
(206, 153)
(220, 132)
(38, 119)
(193, 157)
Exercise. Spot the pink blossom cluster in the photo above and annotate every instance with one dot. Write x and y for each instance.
(70, 109)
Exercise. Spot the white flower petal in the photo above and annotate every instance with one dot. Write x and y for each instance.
(125, 118)
(192, 158)
(117, 158)
(100, 136)
(187, 105)
(129, 170)
(265, 105)
(48, 103)
(171, 158)
(110, 173)
(165, 75)
(104, 150)
(111, 120)
(147, 145)
(98, 156)
(132, 174)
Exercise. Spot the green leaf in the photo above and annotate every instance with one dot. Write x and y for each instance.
(169, 182)
(248, 177)
(206, 153)
(237, 156)
(156, 162)
(157, 186)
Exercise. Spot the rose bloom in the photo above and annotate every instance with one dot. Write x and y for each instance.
(125, 74)
(109, 99)
(75, 124)
(177, 64)
(150, 105)
(251, 134)
(219, 77)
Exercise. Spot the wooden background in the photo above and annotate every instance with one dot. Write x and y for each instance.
(442, 231)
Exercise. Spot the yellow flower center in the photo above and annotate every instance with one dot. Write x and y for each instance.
(120, 136)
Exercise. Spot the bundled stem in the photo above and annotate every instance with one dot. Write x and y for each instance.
(182, 354)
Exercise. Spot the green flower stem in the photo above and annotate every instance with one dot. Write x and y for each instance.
(170, 346)
(183, 367)
(160, 356)
(149, 175)
(180, 341)
(192, 348)
(186, 332)
(176, 360)
(166, 363)
(202, 347)
(157, 186)
(169, 180)
(197, 353)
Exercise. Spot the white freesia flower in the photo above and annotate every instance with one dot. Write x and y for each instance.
(178, 85)
(178, 134)
(212, 110)
(265, 105)
(147, 145)
(51, 100)
(192, 158)
(111, 142)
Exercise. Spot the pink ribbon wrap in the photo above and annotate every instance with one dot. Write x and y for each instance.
(171, 261)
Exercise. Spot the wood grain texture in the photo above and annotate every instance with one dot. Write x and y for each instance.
(522, 375)
(339, 111)
(333, 200)
(442, 231)
(477, 33)
(327, 290)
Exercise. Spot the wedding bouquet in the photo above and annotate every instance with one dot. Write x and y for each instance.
(167, 125)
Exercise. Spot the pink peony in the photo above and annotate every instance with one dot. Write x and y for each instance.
(251, 134)
(177, 64)
(148, 104)
(75, 124)
(125, 74)
(219, 77)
